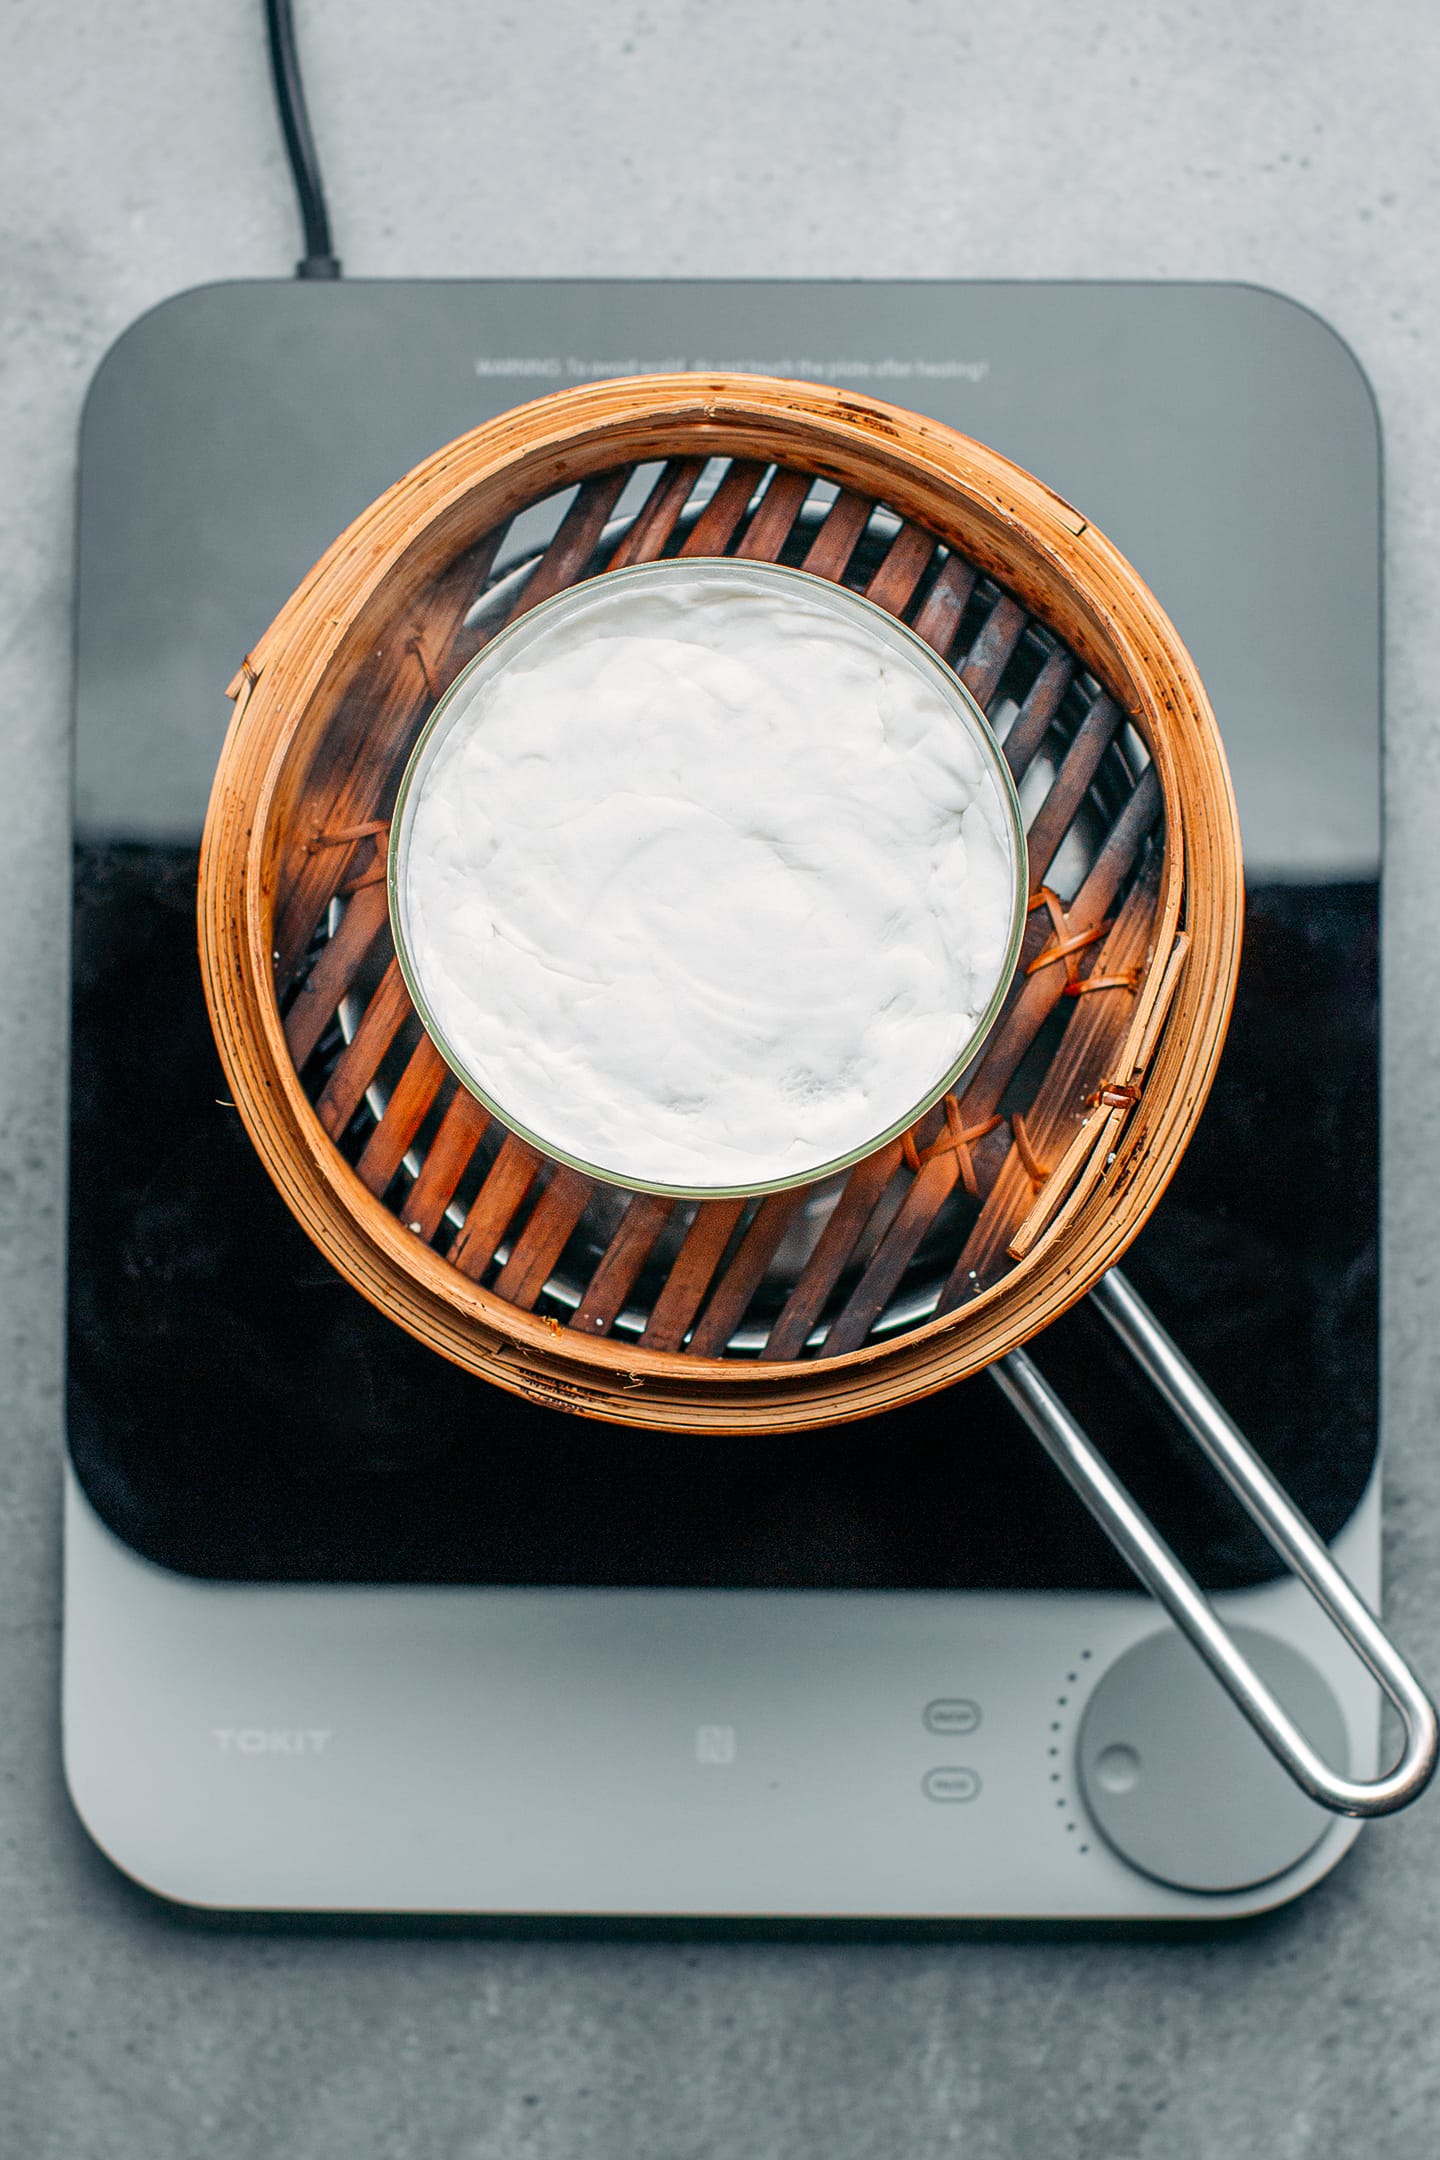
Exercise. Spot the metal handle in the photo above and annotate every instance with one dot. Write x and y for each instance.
(1284, 1526)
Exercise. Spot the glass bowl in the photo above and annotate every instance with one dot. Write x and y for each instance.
(594, 599)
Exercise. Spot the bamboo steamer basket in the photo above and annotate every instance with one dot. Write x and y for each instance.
(936, 1255)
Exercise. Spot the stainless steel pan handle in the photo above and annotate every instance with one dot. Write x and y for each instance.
(1283, 1525)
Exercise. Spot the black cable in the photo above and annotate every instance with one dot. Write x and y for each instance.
(319, 259)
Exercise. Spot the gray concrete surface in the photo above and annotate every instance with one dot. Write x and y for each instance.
(1287, 143)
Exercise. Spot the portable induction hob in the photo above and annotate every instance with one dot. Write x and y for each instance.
(532, 1664)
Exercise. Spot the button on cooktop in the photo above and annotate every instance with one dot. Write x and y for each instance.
(950, 1784)
(952, 1714)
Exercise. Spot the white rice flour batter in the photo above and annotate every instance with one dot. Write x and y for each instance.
(708, 887)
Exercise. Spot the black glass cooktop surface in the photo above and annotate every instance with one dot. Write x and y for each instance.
(237, 1411)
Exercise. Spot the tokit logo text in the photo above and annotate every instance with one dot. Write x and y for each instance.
(271, 1739)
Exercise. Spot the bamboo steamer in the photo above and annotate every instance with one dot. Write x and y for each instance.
(1061, 1141)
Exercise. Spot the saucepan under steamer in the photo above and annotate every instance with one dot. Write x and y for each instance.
(942, 1253)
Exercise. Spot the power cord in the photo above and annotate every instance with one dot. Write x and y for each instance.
(319, 259)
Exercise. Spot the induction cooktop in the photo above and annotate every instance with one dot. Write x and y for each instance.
(528, 1663)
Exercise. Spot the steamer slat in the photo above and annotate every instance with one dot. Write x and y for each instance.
(927, 1195)
(646, 539)
(731, 1298)
(938, 621)
(842, 1233)
(405, 1113)
(494, 1207)
(691, 1275)
(905, 563)
(1078, 768)
(989, 656)
(359, 1061)
(447, 1158)
(829, 552)
(625, 1256)
(1033, 721)
(543, 1239)
(716, 524)
(773, 522)
(366, 915)
(575, 542)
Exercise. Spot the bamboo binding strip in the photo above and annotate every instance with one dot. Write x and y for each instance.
(943, 1250)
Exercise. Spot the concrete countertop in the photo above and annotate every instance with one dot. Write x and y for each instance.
(1291, 145)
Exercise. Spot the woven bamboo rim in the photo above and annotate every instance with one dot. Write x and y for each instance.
(422, 548)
